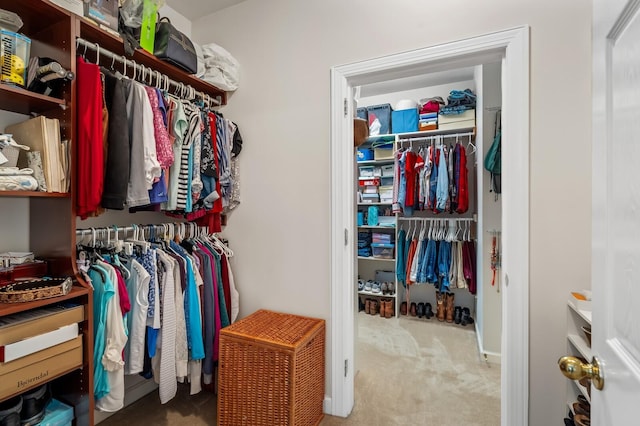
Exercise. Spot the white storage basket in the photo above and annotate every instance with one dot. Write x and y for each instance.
(10, 149)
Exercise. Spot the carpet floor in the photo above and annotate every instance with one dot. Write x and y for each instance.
(410, 371)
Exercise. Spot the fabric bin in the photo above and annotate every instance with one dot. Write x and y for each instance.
(362, 113)
(272, 371)
(381, 114)
(372, 181)
(364, 154)
(387, 170)
(404, 121)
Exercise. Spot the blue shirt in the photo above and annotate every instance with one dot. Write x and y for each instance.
(103, 291)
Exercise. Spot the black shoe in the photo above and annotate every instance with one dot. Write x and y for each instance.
(420, 310)
(10, 411)
(457, 315)
(466, 317)
(428, 310)
(34, 403)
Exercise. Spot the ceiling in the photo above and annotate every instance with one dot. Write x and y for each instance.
(435, 78)
(194, 9)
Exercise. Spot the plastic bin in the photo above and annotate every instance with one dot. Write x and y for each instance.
(364, 154)
(14, 57)
(383, 251)
(57, 414)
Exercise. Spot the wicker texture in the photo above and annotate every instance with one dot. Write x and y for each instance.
(272, 371)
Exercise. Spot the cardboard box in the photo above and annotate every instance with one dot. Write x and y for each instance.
(26, 373)
(382, 154)
(469, 114)
(30, 345)
(73, 6)
(14, 328)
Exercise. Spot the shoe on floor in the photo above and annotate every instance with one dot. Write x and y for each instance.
(403, 308)
(428, 310)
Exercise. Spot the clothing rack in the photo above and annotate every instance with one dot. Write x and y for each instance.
(435, 137)
(457, 219)
(146, 75)
(164, 229)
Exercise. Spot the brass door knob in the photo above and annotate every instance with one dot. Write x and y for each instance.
(574, 369)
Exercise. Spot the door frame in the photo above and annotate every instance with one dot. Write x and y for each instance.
(512, 46)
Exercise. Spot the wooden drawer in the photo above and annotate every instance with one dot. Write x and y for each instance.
(36, 368)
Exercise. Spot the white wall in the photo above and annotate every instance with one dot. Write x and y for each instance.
(179, 21)
(491, 299)
(280, 233)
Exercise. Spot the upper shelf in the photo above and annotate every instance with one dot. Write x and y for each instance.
(421, 134)
(94, 34)
(22, 101)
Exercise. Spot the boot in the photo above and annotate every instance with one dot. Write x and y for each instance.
(367, 306)
(440, 306)
(383, 308)
(373, 309)
(449, 307)
(403, 308)
(466, 317)
(420, 310)
(457, 315)
(428, 311)
(412, 309)
(390, 311)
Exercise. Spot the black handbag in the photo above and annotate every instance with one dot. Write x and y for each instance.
(174, 47)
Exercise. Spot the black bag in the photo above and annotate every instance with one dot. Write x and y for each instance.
(174, 47)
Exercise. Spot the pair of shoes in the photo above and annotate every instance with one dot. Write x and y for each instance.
(412, 309)
(403, 308)
(387, 309)
(376, 287)
(457, 315)
(581, 420)
(367, 285)
(391, 288)
(374, 307)
(449, 306)
(428, 311)
(26, 409)
(440, 306)
(420, 310)
(360, 285)
(466, 317)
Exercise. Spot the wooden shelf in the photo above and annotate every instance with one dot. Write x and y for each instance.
(12, 308)
(29, 194)
(22, 101)
(32, 12)
(94, 34)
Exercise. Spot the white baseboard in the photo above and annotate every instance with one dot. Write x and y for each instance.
(326, 406)
(491, 357)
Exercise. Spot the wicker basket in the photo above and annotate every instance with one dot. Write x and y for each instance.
(272, 371)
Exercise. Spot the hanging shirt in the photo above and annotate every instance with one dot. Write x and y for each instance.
(463, 185)
(442, 190)
(103, 292)
(138, 290)
(90, 151)
(402, 260)
(166, 355)
(164, 152)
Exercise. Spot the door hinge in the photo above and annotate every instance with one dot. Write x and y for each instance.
(346, 107)
(346, 236)
(346, 367)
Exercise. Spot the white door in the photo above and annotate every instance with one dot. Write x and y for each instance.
(616, 210)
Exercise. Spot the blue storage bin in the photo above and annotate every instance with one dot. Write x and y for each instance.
(362, 113)
(404, 121)
(57, 414)
(382, 113)
(364, 154)
(383, 251)
(360, 218)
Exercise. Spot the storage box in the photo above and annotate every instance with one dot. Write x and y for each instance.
(404, 121)
(457, 125)
(17, 257)
(37, 368)
(362, 113)
(385, 276)
(467, 115)
(272, 371)
(14, 57)
(427, 125)
(365, 171)
(369, 181)
(383, 251)
(73, 6)
(370, 198)
(364, 154)
(104, 12)
(387, 170)
(379, 119)
(387, 221)
(57, 414)
(383, 154)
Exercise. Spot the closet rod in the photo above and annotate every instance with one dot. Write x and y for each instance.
(457, 219)
(139, 68)
(125, 229)
(433, 137)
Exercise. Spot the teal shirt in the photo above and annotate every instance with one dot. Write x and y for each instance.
(103, 291)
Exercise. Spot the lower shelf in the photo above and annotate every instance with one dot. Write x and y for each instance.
(369, 293)
(375, 258)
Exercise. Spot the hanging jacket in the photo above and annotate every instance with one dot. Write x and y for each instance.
(444, 264)
(442, 190)
(402, 260)
(463, 184)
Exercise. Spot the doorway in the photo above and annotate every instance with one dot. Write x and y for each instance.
(512, 47)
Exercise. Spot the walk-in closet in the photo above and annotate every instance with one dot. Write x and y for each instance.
(428, 215)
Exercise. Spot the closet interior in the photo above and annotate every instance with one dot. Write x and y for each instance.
(428, 248)
(106, 242)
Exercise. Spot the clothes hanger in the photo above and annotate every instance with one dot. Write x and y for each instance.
(470, 144)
